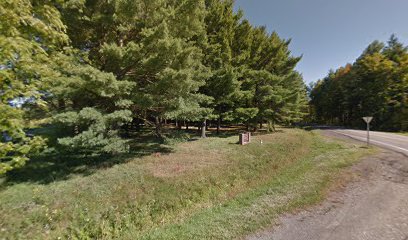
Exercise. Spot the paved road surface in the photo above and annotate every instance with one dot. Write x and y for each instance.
(373, 208)
(391, 141)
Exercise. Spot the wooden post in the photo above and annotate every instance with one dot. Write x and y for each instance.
(203, 129)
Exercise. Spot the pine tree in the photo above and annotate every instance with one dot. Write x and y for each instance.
(92, 105)
(153, 44)
(275, 89)
(398, 86)
(223, 86)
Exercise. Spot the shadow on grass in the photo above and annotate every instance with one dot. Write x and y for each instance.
(195, 134)
(55, 166)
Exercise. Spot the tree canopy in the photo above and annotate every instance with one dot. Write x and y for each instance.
(95, 67)
(376, 84)
(30, 33)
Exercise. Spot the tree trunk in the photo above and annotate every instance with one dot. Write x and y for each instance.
(271, 126)
(218, 125)
(61, 104)
(136, 124)
(126, 127)
(158, 129)
(187, 125)
(203, 128)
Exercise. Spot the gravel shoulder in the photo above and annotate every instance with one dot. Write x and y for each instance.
(374, 206)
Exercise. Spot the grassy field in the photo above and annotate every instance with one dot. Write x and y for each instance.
(203, 189)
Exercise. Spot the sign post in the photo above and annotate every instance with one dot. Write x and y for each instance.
(368, 121)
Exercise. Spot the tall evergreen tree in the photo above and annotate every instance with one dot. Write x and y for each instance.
(155, 45)
(223, 86)
(278, 92)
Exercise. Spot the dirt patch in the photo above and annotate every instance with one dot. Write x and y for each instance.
(373, 207)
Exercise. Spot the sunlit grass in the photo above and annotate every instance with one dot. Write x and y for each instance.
(205, 189)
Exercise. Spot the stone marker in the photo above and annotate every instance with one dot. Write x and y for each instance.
(245, 138)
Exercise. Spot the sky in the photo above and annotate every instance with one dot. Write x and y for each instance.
(329, 33)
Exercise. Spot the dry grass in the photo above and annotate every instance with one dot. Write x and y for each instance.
(190, 157)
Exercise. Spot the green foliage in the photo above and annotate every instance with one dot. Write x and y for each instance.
(253, 76)
(97, 134)
(245, 114)
(155, 46)
(176, 137)
(92, 105)
(15, 146)
(30, 32)
(375, 85)
(98, 66)
(270, 82)
(223, 85)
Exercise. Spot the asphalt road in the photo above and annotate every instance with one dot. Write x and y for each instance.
(373, 207)
(391, 141)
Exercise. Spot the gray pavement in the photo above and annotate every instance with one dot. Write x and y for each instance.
(391, 141)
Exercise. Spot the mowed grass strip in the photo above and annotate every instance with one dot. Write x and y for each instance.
(206, 189)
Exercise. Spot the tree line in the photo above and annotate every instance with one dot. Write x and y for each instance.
(376, 84)
(100, 67)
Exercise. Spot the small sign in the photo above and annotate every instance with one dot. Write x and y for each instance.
(368, 119)
(245, 138)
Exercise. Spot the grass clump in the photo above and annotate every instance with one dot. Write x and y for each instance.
(205, 189)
